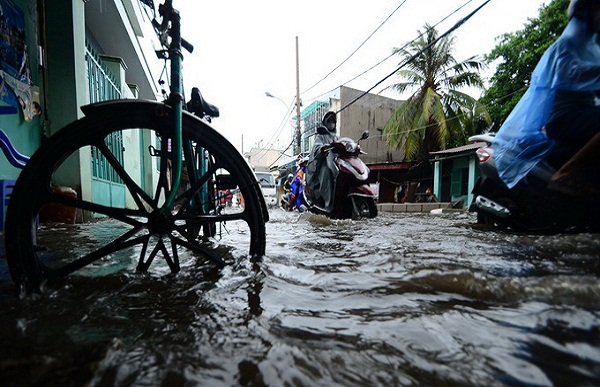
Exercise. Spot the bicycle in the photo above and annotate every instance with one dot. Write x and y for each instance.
(165, 219)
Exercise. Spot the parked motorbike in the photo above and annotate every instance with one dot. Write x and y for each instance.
(530, 205)
(336, 178)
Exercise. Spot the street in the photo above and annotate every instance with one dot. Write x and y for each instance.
(401, 299)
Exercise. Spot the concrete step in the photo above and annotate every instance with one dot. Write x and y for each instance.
(417, 207)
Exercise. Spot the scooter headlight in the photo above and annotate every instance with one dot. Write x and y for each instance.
(349, 146)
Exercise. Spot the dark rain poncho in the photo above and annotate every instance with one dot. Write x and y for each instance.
(572, 63)
(321, 171)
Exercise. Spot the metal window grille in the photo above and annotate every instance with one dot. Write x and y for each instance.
(102, 86)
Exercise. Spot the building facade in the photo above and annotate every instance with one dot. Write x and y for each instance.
(79, 52)
(456, 171)
(358, 112)
(355, 115)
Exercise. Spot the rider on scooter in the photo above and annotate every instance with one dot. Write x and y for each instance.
(297, 185)
(321, 170)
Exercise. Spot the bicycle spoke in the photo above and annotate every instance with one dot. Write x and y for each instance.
(200, 220)
(136, 191)
(172, 261)
(118, 244)
(122, 214)
(196, 187)
(143, 265)
(162, 186)
(199, 249)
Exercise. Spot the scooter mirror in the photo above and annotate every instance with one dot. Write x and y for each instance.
(364, 135)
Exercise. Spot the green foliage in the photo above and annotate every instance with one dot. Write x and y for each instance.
(517, 54)
(436, 115)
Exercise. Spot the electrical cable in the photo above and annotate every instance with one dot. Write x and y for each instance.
(392, 54)
(412, 58)
(405, 63)
(277, 133)
(357, 48)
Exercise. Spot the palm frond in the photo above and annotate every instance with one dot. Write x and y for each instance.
(437, 114)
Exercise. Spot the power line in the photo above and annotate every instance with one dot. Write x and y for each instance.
(409, 60)
(358, 48)
(407, 131)
(412, 41)
(271, 142)
(448, 32)
(282, 153)
(392, 54)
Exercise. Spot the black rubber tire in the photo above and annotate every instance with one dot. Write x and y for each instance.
(363, 207)
(32, 255)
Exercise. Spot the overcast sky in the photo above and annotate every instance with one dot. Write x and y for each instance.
(246, 48)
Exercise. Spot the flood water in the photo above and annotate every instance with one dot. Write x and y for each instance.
(415, 299)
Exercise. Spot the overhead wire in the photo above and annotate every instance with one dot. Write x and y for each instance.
(456, 117)
(271, 142)
(392, 54)
(412, 41)
(282, 153)
(402, 65)
(357, 48)
(413, 57)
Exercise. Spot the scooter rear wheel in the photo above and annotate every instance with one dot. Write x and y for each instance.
(363, 207)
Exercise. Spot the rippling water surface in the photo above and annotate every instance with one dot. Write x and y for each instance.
(402, 299)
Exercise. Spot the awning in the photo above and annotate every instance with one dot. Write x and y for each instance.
(453, 152)
(389, 166)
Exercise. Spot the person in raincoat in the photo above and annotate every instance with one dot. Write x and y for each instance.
(286, 200)
(297, 185)
(560, 103)
(322, 172)
(571, 177)
(287, 183)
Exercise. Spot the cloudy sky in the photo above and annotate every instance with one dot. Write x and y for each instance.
(246, 48)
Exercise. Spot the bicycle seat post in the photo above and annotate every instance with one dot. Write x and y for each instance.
(176, 102)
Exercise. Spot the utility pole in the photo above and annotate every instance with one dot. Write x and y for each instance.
(298, 103)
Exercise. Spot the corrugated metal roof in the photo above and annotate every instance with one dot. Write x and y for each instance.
(460, 149)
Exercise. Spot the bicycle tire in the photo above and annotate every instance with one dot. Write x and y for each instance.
(36, 254)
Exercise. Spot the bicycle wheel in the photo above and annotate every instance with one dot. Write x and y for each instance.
(129, 229)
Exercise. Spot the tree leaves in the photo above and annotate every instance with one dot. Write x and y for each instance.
(436, 114)
(518, 53)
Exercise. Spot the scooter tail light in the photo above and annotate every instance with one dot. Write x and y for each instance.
(483, 155)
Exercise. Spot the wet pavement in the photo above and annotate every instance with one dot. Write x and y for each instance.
(403, 299)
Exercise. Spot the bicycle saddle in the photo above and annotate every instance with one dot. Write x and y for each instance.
(200, 107)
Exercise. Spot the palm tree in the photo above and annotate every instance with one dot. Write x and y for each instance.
(437, 115)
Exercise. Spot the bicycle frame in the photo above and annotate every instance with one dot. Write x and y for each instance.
(171, 27)
(161, 218)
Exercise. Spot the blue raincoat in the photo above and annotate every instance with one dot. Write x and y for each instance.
(297, 185)
(571, 63)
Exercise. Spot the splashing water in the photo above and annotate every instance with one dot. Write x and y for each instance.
(397, 300)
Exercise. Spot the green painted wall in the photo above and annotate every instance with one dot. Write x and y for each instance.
(25, 136)
(48, 27)
(66, 90)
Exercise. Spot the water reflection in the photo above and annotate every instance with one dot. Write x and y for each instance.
(400, 299)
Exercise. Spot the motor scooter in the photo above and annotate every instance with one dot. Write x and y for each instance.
(287, 201)
(336, 178)
(530, 205)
